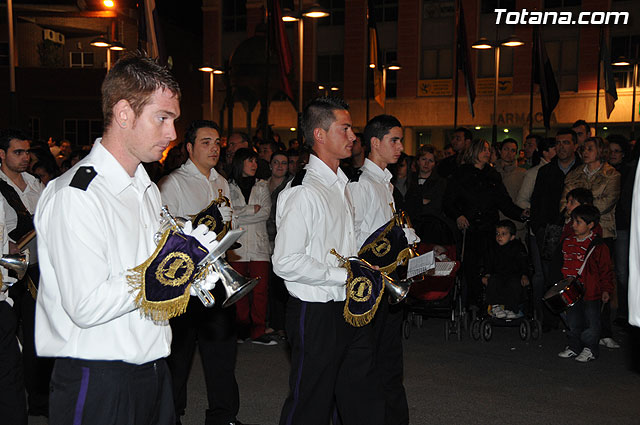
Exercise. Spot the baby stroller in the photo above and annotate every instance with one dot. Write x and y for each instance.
(528, 325)
(436, 296)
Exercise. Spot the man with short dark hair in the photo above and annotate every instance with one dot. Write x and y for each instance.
(20, 192)
(531, 144)
(331, 361)
(582, 130)
(187, 191)
(460, 140)
(545, 207)
(105, 287)
(372, 195)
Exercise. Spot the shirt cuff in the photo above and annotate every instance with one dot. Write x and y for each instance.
(337, 276)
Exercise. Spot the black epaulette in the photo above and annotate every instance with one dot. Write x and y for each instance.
(83, 177)
(297, 180)
(355, 177)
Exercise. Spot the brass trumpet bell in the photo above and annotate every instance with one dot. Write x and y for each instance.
(397, 290)
(16, 262)
(235, 285)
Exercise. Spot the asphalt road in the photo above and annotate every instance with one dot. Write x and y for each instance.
(503, 381)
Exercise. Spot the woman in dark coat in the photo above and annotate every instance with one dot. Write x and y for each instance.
(475, 193)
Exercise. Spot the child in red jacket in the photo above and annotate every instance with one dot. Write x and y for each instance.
(583, 319)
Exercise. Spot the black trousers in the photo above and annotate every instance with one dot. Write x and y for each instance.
(37, 370)
(505, 290)
(110, 392)
(214, 331)
(331, 362)
(389, 366)
(13, 406)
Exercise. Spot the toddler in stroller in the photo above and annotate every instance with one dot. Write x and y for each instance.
(505, 273)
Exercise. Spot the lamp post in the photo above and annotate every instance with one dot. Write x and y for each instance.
(624, 62)
(288, 15)
(212, 71)
(484, 44)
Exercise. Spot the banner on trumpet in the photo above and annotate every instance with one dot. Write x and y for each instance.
(161, 283)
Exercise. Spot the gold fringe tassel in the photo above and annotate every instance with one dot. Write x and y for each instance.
(155, 310)
(358, 320)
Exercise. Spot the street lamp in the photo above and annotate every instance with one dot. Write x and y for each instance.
(288, 15)
(484, 44)
(212, 71)
(624, 62)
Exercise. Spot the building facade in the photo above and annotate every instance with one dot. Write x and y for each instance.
(420, 35)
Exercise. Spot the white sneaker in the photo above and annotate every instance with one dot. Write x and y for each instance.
(609, 343)
(500, 314)
(511, 315)
(567, 353)
(585, 356)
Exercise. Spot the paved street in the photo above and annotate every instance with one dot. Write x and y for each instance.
(468, 382)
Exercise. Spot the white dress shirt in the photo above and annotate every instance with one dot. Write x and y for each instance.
(312, 218)
(186, 191)
(29, 198)
(371, 196)
(634, 255)
(88, 239)
(255, 241)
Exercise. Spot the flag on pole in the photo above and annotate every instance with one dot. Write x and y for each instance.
(149, 32)
(379, 90)
(610, 93)
(544, 77)
(281, 45)
(463, 61)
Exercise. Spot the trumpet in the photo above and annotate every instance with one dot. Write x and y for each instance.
(235, 285)
(398, 289)
(223, 200)
(16, 262)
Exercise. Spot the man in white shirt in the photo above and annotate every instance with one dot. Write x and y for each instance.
(13, 404)
(331, 361)
(95, 224)
(20, 192)
(372, 194)
(187, 191)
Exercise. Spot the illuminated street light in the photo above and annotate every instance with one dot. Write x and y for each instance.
(484, 44)
(212, 71)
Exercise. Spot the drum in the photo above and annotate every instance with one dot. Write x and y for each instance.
(563, 294)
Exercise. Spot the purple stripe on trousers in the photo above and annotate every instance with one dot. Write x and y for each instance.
(82, 396)
(296, 391)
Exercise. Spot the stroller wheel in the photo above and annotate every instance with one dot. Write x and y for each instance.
(474, 330)
(458, 329)
(536, 329)
(447, 330)
(486, 329)
(406, 329)
(525, 330)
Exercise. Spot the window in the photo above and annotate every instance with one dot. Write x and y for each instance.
(437, 63)
(489, 6)
(4, 54)
(234, 15)
(336, 12)
(391, 88)
(82, 132)
(548, 4)
(34, 128)
(563, 55)
(330, 70)
(81, 59)
(385, 10)
(486, 62)
(627, 47)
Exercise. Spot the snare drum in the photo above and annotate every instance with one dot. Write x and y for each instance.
(563, 294)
